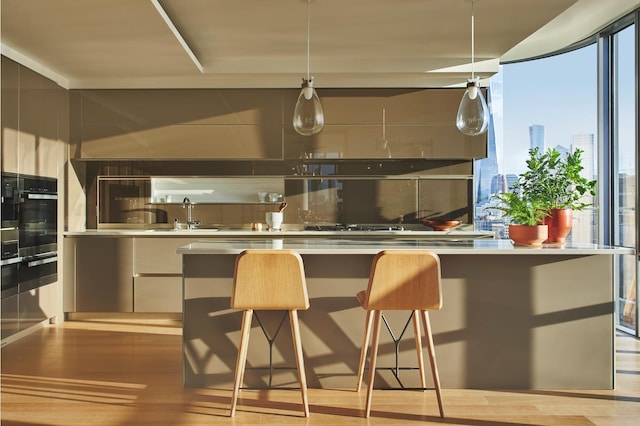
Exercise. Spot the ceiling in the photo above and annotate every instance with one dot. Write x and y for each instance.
(263, 43)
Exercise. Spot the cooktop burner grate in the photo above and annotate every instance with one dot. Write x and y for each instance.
(353, 227)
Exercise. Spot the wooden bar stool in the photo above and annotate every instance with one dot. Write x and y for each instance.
(401, 280)
(269, 280)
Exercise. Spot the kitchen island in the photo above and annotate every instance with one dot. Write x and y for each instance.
(513, 318)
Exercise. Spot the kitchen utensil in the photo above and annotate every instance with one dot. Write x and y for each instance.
(441, 225)
(282, 207)
(274, 220)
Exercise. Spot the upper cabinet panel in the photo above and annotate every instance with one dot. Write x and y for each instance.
(146, 108)
(387, 123)
(257, 124)
(10, 105)
(33, 122)
(185, 124)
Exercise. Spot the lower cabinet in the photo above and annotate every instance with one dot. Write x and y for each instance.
(9, 316)
(123, 274)
(157, 294)
(37, 305)
(27, 309)
(103, 273)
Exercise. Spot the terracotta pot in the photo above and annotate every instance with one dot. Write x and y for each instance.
(525, 235)
(559, 222)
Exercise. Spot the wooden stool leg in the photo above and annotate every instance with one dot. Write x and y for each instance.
(297, 344)
(432, 358)
(363, 350)
(247, 315)
(418, 338)
(372, 362)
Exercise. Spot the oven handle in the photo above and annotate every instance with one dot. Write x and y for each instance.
(35, 196)
(42, 261)
(11, 261)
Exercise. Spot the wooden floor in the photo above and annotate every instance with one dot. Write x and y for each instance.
(129, 372)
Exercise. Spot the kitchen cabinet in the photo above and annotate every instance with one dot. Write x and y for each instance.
(102, 274)
(123, 274)
(414, 123)
(25, 310)
(256, 124)
(10, 101)
(158, 274)
(9, 316)
(37, 305)
(178, 124)
(33, 122)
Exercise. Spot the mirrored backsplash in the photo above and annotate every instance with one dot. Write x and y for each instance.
(319, 194)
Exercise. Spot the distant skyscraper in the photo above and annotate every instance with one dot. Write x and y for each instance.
(584, 228)
(562, 150)
(488, 167)
(536, 137)
(586, 142)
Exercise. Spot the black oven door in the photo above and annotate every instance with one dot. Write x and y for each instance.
(38, 216)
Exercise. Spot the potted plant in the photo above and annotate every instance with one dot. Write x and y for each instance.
(526, 216)
(555, 181)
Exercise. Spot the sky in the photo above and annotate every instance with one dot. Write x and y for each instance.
(560, 93)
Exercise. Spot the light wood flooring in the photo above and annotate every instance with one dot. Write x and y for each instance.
(129, 372)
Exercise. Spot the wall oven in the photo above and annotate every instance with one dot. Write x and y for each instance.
(9, 257)
(30, 232)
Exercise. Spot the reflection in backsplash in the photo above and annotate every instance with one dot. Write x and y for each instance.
(237, 202)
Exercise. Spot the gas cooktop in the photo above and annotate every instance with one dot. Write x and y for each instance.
(353, 227)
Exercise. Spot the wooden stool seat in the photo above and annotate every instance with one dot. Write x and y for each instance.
(269, 280)
(401, 280)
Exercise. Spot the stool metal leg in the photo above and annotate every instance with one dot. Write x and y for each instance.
(297, 344)
(242, 357)
(270, 341)
(432, 357)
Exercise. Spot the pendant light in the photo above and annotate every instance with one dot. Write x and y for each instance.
(308, 117)
(473, 113)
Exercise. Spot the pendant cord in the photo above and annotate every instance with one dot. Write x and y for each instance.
(472, 41)
(308, 35)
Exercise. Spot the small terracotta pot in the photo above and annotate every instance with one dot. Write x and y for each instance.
(525, 235)
(559, 222)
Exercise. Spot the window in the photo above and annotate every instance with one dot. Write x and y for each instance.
(545, 103)
(623, 116)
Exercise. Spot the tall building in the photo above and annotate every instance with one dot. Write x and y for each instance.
(586, 142)
(584, 227)
(487, 168)
(536, 137)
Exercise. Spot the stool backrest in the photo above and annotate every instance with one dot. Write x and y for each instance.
(269, 280)
(404, 280)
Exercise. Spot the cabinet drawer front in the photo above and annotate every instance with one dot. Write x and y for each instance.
(158, 255)
(157, 294)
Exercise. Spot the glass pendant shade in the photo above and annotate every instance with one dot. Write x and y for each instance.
(308, 117)
(473, 113)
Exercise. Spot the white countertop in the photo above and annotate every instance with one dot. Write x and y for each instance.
(246, 233)
(372, 246)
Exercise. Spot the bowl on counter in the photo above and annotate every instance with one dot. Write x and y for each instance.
(441, 225)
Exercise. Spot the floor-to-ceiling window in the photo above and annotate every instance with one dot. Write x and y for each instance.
(624, 154)
(545, 103)
(585, 97)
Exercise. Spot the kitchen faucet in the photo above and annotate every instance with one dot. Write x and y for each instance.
(191, 224)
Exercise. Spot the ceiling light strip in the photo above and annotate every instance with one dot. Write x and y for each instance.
(176, 33)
